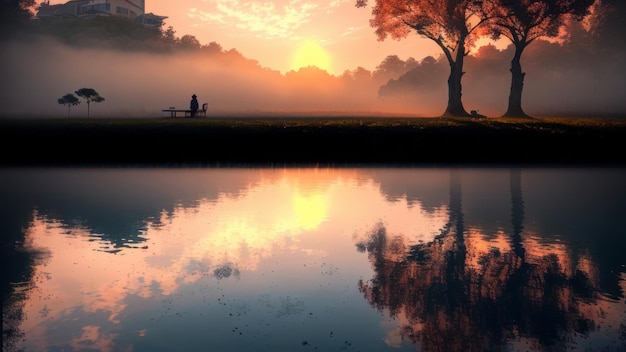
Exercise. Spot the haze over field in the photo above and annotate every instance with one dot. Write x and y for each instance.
(286, 34)
(142, 84)
(582, 77)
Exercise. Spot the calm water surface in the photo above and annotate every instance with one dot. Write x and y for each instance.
(313, 259)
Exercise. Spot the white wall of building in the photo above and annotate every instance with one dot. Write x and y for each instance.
(130, 8)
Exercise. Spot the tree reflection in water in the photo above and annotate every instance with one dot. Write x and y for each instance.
(458, 299)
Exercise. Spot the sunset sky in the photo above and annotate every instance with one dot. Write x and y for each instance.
(286, 34)
(277, 39)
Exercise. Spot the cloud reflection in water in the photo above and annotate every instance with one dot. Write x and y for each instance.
(333, 259)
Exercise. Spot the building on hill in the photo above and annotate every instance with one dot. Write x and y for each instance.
(83, 9)
(150, 20)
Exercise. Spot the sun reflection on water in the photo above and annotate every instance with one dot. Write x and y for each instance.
(286, 258)
(295, 218)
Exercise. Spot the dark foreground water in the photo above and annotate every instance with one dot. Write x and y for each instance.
(313, 259)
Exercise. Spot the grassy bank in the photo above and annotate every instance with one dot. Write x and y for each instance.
(312, 140)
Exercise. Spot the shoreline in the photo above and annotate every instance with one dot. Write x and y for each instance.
(301, 140)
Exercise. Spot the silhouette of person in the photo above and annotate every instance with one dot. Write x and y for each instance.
(193, 105)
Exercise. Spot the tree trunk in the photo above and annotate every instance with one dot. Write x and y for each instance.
(517, 84)
(87, 109)
(455, 105)
(517, 212)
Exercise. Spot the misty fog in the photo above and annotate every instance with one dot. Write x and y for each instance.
(560, 80)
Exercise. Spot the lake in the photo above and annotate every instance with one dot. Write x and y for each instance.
(313, 259)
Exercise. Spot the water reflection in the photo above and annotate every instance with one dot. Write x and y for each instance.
(313, 259)
(465, 292)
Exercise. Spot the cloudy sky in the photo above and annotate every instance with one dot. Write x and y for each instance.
(286, 34)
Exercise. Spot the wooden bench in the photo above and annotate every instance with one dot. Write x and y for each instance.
(186, 112)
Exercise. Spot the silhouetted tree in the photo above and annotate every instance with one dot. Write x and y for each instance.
(169, 36)
(188, 41)
(15, 11)
(69, 100)
(420, 86)
(14, 14)
(212, 48)
(90, 95)
(523, 21)
(361, 74)
(451, 24)
(393, 67)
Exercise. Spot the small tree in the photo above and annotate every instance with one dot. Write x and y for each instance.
(189, 42)
(169, 35)
(69, 100)
(90, 95)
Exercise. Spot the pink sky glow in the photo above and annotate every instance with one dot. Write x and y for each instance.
(272, 32)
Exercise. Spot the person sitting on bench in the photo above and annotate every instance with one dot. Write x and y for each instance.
(193, 105)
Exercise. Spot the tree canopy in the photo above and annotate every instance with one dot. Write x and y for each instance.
(13, 13)
(90, 95)
(69, 100)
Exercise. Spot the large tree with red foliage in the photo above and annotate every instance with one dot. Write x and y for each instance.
(451, 24)
(523, 21)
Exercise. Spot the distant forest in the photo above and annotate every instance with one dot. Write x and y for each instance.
(584, 74)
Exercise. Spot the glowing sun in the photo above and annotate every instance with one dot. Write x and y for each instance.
(311, 53)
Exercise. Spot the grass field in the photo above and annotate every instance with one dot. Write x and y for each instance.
(313, 140)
